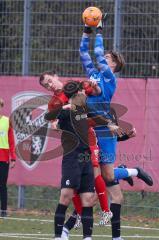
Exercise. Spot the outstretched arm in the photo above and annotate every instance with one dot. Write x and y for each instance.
(100, 58)
(85, 56)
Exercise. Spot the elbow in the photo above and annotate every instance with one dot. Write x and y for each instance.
(81, 51)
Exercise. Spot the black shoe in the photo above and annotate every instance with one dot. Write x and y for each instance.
(129, 180)
(3, 213)
(144, 176)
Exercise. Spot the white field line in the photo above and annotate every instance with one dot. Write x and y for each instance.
(72, 235)
(51, 221)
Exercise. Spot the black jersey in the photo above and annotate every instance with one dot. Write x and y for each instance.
(75, 130)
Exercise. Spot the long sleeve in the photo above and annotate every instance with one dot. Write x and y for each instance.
(85, 56)
(100, 58)
(55, 106)
(11, 143)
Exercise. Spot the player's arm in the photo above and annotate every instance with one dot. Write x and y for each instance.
(127, 135)
(11, 145)
(100, 58)
(91, 87)
(98, 121)
(84, 54)
(54, 108)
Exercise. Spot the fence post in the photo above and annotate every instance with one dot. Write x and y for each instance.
(26, 37)
(25, 71)
(21, 197)
(117, 25)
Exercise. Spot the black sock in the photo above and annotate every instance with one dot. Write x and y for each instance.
(59, 219)
(115, 221)
(87, 221)
(71, 221)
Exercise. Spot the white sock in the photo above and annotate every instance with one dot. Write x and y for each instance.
(118, 238)
(65, 232)
(132, 172)
(87, 238)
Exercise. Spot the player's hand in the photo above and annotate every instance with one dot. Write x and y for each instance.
(69, 106)
(54, 125)
(12, 163)
(102, 21)
(93, 83)
(131, 133)
(115, 129)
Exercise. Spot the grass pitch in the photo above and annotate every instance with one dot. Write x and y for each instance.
(25, 226)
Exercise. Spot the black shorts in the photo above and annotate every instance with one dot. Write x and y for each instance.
(77, 172)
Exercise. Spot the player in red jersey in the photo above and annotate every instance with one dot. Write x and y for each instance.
(60, 100)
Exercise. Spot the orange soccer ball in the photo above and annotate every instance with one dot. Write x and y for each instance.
(91, 16)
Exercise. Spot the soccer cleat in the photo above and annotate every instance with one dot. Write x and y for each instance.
(64, 238)
(105, 218)
(144, 176)
(129, 179)
(3, 213)
(78, 222)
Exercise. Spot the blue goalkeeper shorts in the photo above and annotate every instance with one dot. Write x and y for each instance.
(107, 145)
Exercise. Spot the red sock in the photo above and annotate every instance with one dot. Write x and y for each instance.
(77, 203)
(102, 194)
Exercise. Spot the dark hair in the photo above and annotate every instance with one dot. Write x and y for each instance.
(118, 59)
(1, 102)
(42, 76)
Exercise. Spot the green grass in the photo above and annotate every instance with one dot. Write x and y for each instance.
(32, 226)
(44, 199)
(140, 213)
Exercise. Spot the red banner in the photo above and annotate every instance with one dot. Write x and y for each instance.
(139, 96)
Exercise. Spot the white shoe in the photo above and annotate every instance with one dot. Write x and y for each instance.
(57, 238)
(105, 218)
(78, 222)
(64, 238)
(65, 234)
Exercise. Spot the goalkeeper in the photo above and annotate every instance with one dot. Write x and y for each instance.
(105, 81)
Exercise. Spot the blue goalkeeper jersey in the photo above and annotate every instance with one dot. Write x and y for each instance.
(98, 105)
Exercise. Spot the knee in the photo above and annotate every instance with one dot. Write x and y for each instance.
(118, 198)
(87, 200)
(65, 198)
(109, 177)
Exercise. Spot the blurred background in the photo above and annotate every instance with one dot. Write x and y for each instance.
(36, 35)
